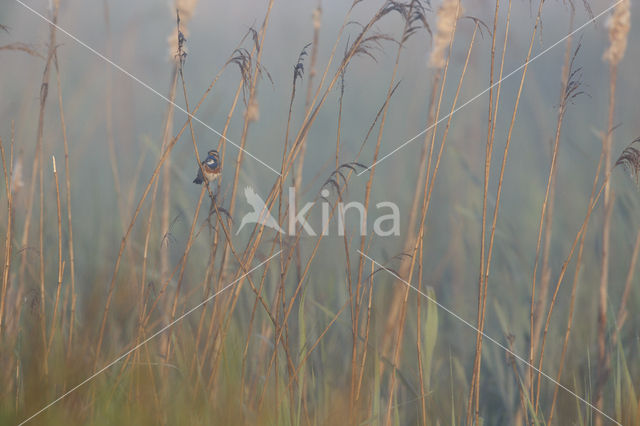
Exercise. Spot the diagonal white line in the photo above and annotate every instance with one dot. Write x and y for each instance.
(491, 339)
(135, 348)
(145, 85)
(580, 28)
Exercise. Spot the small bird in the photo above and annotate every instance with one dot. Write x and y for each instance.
(210, 166)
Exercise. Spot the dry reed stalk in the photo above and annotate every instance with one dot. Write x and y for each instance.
(359, 46)
(574, 288)
(146, 191)
(332, 55)
(580, 232)
(177, 53)
(221, 149)
(60, 261)
(5, 273)
(407, 14)
(488, 160)
(309, 119)
(546, 217)
(555, 295)
(423, 402)
(619, 25)
(228, 245)
(429, 182)
(181, 274)
(289, 307)
(426, 158)
(251, 321)
(43, 319)
(166, 181)
(487, 170)
(280, 330)
(429, 185)
(143, 279)
(72, 264)
(253, 247)
(367, 197)
(314, 251)
(34, 173)
(195, 218)
(7, 242)
(14, 183)
(622, 311)
(317, 342)
(124, 242)
(332, 212)
(354, 310)
(254, 78)
(426, 153)
(523, 404)
(248, 118)
(297, 175)
(212, 257)
(366, 335)
(570, 87)
(298, 72)
(229, 309)
(491, 132)
(186, 10)
(485, 278)
(111, 143)
(280, 186)
(243, 269)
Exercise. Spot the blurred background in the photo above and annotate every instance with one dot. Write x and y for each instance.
(115, 129)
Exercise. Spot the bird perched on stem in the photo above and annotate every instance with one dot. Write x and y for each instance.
(210, 167)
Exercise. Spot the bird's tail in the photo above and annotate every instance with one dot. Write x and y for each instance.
(198, 180)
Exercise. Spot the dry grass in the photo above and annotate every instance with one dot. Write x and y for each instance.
(296, 341)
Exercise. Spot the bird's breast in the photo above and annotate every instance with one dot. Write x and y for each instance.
(211, 173)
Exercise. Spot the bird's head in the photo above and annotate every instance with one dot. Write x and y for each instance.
(212, 159)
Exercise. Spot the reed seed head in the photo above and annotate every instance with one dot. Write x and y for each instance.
(16, 179)
(317, 18)
(253, 110)
(619, 24)
(186, 9)
(445, 25)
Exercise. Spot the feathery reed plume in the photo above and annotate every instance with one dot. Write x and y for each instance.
(298, 68)
(253, 110)
(16, 177)
(177, 49)
(185, 8)
(630, 160)
(316, 18)
(444, 31)
(619, 24)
